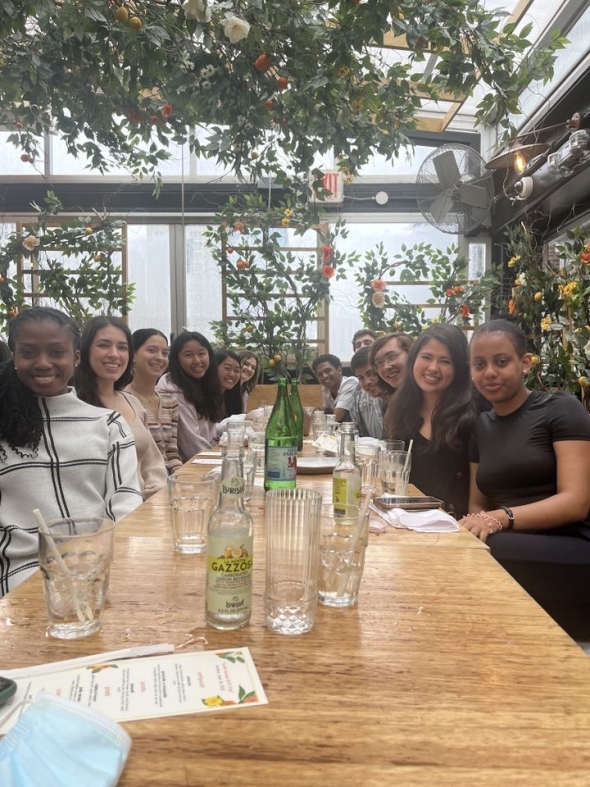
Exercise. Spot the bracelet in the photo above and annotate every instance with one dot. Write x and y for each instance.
(510, 515)
(489, 520)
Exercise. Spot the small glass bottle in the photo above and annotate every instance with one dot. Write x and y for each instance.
(346, 479)
(229, 550)
(280, 444)
(297, 412)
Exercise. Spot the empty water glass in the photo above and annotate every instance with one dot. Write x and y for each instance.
(394, 469)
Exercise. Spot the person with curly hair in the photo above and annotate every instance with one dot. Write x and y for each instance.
(57, 453)
(192, 377)
(435, 408)
(106, 357)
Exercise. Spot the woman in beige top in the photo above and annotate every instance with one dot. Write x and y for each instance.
(151, 351)
(106, 356)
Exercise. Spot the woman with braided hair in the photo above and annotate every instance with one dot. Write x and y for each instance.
(57, 453)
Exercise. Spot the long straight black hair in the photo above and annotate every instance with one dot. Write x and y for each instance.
(455, 412)
(205, 393)
(85, 378)
(233, 404)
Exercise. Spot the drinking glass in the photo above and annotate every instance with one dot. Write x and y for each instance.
(75, 557)
(292, 559)
(192, 500)
(394, 469)
(367, 458)
(343, 541)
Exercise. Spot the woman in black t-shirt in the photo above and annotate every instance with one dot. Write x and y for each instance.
(434, 408)
(530, 472)
(531, 453)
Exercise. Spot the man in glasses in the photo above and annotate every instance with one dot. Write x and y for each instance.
(388, 356)
(337, 390)
(369, 399)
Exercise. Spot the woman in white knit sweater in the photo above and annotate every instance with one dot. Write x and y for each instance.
(57, 453)
(106, 357)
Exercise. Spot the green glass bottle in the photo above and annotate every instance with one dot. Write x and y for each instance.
(280, 445)
(297, 412)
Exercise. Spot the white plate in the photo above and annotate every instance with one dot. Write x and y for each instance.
(316, 465)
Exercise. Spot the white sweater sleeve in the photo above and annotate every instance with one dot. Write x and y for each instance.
(122, 485)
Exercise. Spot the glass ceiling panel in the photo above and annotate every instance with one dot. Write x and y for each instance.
(539, 13)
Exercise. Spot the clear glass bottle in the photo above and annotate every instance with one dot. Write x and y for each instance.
(297, 412)
(280, 444)
(229, 550)
(346, 478)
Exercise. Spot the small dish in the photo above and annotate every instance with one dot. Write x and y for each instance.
(316, 465)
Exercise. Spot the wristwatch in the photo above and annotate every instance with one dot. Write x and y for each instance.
(510, 515)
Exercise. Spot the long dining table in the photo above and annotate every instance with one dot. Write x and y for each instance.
(445, 673)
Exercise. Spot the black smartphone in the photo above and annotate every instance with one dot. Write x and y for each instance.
(7, 689)
(407, 502)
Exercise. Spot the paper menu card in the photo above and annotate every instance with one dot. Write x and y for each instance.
(145, 688)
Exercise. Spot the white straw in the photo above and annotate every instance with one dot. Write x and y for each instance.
(408, 455)
(344, 577)
(84, 661)
(60, 562)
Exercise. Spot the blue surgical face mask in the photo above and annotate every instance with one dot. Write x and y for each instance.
(59, 743)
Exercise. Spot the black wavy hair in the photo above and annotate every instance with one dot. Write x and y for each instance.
(233, 404)
(85, 378)
(21, 423)
(205, 393)
(455, 412)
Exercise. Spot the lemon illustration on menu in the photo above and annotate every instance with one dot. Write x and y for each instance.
(229, 550)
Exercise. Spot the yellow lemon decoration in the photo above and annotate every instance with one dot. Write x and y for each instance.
(535, 360)
(583, 382)
(538, 296)
(271, 363)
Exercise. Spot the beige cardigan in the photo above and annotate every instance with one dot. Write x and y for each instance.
(151, 467)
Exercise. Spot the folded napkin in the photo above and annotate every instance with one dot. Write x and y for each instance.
(222, 425)
(432, 521)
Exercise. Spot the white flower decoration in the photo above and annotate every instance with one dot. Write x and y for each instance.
(196, 9)
(208, 71)
(31, 242)
(235, 28)
(206, 83)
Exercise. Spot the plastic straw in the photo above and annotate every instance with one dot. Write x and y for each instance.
(62, 566)
(409, 454)
(355, 542)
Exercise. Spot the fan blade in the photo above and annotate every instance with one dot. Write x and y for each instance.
(474, 195)
(440, 207)
(447, 170)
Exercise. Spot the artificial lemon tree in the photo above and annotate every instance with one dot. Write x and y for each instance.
(119, 80)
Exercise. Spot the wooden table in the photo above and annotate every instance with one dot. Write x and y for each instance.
(446, 673)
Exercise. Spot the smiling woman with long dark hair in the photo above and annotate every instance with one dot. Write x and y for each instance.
(106, 358)
(192, 376)
(434, 408)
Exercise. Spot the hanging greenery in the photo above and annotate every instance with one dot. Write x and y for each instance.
(92, 283)
(550, 300)
(453, 297)
(274, 290)
(274, 81)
